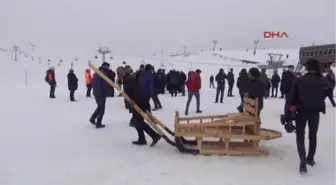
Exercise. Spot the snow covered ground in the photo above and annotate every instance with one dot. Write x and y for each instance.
(50, 142)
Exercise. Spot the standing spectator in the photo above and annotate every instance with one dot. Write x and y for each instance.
(182, 81)
(51, 80)
(242, 84)
(220, 79)
(193, 86)
(72, 84)
(264, 80)
(212, 85)
(174, 82)
(88, 82)
(287, 79)
(155, 97)
(275, 83)
(230, 78)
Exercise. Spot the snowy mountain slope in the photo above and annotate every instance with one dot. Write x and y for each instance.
(45, 141)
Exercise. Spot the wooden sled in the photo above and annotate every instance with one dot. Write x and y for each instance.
(243, 126)
(232, 134)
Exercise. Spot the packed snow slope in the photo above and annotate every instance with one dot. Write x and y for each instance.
(50, 142)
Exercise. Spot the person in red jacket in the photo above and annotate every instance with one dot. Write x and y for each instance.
(88, 82)
(194, 85)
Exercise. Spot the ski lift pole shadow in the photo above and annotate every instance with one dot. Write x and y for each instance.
(149, 121)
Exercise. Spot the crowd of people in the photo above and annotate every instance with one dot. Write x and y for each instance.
(305, 94)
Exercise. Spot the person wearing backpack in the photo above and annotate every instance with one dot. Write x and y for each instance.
(193, 86)
(50, 79)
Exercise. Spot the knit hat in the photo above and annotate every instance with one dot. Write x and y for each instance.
(105, 65)
(254, 72)
(312, 65)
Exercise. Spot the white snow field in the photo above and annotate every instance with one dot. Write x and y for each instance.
(50, 142)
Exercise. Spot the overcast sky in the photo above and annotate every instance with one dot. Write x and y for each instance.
(142, 27)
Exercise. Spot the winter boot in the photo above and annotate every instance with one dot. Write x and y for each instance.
(100, 126)
(155, 140)
(310, 161)
(303, 168)
(92, 121)
(198, 111)
(139, 142)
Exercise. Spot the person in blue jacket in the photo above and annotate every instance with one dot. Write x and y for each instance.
(146, 82)
(100, 91)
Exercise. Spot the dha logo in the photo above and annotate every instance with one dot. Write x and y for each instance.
(272, 35)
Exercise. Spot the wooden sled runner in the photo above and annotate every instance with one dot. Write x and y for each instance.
(235, 133)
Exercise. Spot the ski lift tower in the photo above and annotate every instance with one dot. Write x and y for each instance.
(15, 48)
(256, 42)
(103, 51)
(215, 42)
(274, 63)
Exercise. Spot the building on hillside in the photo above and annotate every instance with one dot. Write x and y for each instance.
(325, 54)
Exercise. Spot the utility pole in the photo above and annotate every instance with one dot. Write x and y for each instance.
(255, 46)
(15, 48)
(215, 42)
(103, 51)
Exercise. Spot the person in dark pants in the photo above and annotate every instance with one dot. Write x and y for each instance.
(242, 84)
(139, 96)
(155, 97)
(111, 75)
(220, 79)
(306, 99)
(230, 79)
(287, 79)
(194, 86)
(256, 88)
(182, 81)
(329, 86)
(281, 85)
(72, 84)
(212, 84)
(264, 79)
(275, 83)
(100, 92)
(88, 82)
(174, 82)
(51, 80)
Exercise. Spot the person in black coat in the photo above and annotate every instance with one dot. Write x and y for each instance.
(256, 88)
(212, 85)
(230, 79)
(100, 91)
(161, 81)
(306, 100)
(135, 92)
(287, 80)
(111, 75)
(275, 84)
(72, 84)
(182, 82)
(329, 86)
(155, 97)
(242, 83)
(220, 79)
